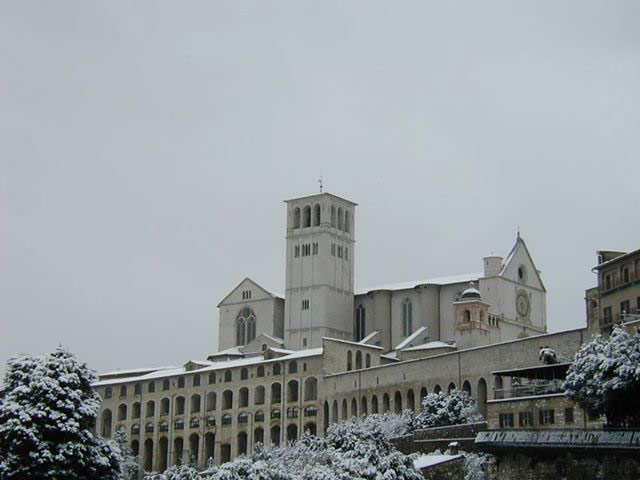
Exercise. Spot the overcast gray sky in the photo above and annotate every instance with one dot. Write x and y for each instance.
(147, 145)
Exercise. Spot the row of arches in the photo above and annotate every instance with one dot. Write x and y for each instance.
(293, 395)
(398, 401)
(200, 449)
(358, 360)
(308, 216)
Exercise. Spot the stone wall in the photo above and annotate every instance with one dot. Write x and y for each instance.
(586, 466)
(453, 470)
(432, 439)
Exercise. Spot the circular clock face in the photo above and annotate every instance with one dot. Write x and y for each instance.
(522, 304)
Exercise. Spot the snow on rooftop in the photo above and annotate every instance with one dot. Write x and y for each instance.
(425, 461)
(275, 339)
(134, 371)
(228, 351)
(411, 338)
(241, 362)
(464, 278)
(369, 337)
(430, 345)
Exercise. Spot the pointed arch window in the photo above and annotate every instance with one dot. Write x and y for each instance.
(359, 324)
(245, 326)
(407, 317)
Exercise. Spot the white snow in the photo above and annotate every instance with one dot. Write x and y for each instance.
(430, 460)
(430, 346)
(464, 278)
(411, 338)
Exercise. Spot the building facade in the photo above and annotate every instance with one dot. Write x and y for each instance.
(325, 351)
(616, 298)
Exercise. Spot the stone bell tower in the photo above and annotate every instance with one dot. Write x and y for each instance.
(319, 270)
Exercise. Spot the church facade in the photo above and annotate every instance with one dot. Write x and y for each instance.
(325, 350)
(320, 299)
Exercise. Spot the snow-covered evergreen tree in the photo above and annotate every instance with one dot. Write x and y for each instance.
(129, 461)
(604, 377)
(440, 410)
(47, 410)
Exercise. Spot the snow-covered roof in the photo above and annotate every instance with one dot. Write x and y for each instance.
(275, 339)
(430, 345)
(369, 337)
(242, 362)
(410, 338)
(281, 350)
(131, 371)
(358, 344)
(622, 257)
(390, 356)
(425, 461)
(464, 278)
(229, 351)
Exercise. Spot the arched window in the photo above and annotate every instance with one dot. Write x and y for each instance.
(123, 390)
(397, 402)
(276, 368)
(347, 221)
(164, 406)
(151, 408)
(244, 374)
(292, 432)
(358, 360)
(374, 404)
(166, 384)
(306, 217)
(258, 395)
(212, 378)
(106, 423)
(211, 401)
(260, 371)
(227, 376)
(354, 407)
(349, 360)
(466, 387)
(122, 412)
(340, 219)
(107, 392)
(367, 362)
(136, 410)
(451, 387)
(316, 215)
(359, 327)
(310, 389)
(407, 317)
(137, 389)
(293, 366)
(227, 400)
(276, 393)
(467, 316)
(243, 397)
(292, 391)
(333, 216)
(179, 405)
(152, 387)
(180, 382)
(245, 326)
(196, 380)
(195, 403)
(296, 217)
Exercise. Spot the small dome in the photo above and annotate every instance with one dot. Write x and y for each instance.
(471, 293)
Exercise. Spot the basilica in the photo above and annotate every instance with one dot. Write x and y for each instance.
(326, 350)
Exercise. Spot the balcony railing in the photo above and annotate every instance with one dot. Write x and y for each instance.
(607, 321)
(529, 390)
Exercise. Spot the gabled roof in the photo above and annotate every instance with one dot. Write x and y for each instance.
(273, 295)
(520, 242)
